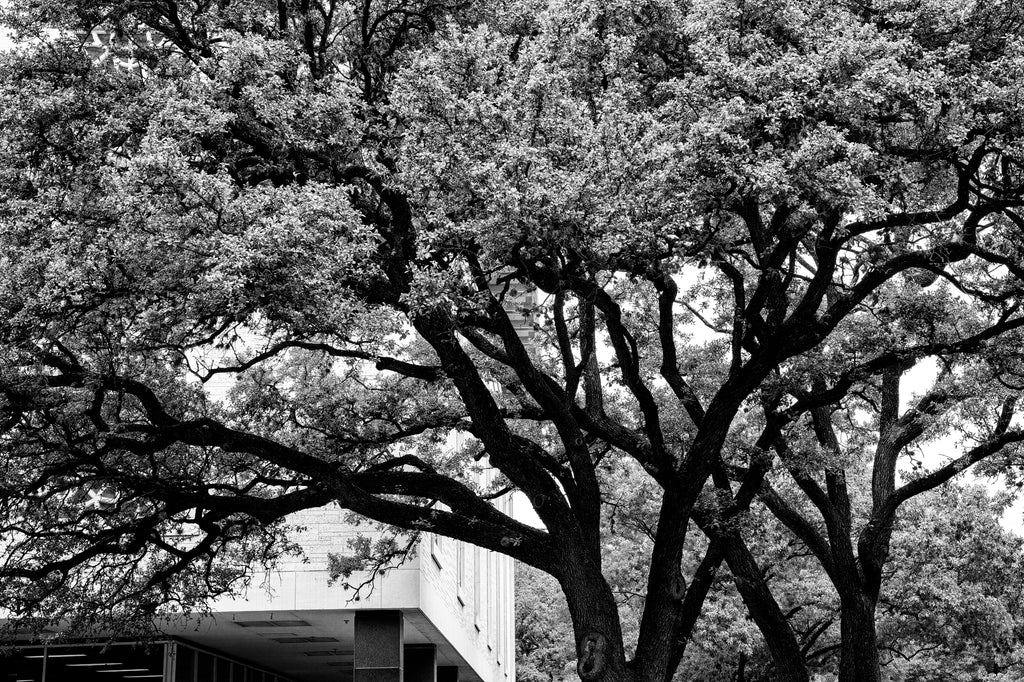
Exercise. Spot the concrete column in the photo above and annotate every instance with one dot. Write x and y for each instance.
(377, 650)
(421, 663)
(448, 673)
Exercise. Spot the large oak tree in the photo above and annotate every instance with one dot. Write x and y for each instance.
(747, 222)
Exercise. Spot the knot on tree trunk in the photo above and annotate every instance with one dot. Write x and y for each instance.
(592, 650)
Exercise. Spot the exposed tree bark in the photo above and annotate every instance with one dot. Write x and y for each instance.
(785, 651)
(596, 627)
(858, 654)
(693, 601)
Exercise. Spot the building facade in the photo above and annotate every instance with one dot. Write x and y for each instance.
(446, 615)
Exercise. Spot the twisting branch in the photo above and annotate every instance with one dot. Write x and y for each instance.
(409, 369)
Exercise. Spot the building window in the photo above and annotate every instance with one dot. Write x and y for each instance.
(499, 603)
(435, 548)
(185, 667)
(491, 610)
(510, 599)
(460, 572)
(477, 591)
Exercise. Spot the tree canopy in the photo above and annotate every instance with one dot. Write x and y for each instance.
(770, 243)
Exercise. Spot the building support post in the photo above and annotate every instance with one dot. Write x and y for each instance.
(448, 673)
(421, 663)
(377, 650)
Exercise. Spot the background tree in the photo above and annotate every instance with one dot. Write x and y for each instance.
(961, 415)
(953, 609)
(308, 193)
(949, 610)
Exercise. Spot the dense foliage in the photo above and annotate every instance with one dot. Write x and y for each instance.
(951, 607)
(777, 249)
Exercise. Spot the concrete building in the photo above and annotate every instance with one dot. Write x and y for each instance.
(447, 615)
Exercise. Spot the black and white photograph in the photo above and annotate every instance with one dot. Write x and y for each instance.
(511, 340)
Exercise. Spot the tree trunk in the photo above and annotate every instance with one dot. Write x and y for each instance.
(757, 597)
(600, 650)
(858, 653)
(693, 603)
(665, 592)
